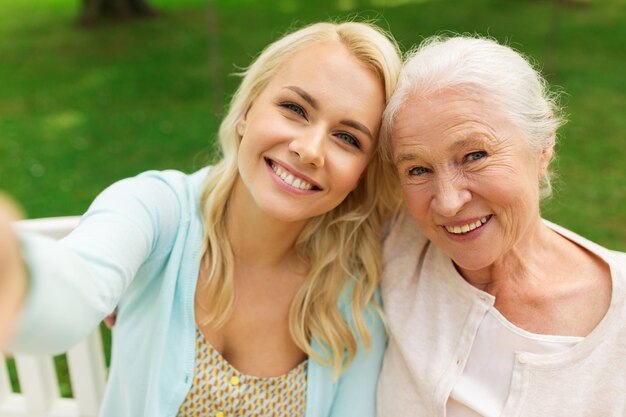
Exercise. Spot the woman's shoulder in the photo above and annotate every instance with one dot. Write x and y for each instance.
(153, 203)
(601, 261)
(593, 247)
(401, 230)
(154, 191)
(179, 182)
(403, 245)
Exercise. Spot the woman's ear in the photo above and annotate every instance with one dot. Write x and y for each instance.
(241, 126)
(546, 156)
(241, 123)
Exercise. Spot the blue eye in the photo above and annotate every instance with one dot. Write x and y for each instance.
(349, 139)
(475, 156)
(417, 171)
(293, 107)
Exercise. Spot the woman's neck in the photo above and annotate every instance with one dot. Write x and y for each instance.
(522, 263)
(548, 285)
(256, 238)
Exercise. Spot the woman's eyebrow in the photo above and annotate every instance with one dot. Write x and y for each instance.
(405, 157)
(358, 126)
(473, 140)
(305, 96)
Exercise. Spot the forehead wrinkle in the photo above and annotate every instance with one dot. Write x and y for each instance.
(469, 130)
(473, 139)
(410, 153)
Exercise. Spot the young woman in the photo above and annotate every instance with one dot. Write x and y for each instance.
(248, 287)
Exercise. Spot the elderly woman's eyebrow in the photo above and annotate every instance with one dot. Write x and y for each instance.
(406, 157)
(473, 140)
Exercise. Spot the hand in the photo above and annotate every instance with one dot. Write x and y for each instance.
(13, 279)
(109, 320)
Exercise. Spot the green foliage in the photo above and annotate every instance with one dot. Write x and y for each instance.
(81, 108)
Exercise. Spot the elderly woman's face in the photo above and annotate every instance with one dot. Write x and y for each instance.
(469, 177)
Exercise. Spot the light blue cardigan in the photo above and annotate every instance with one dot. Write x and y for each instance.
(138, 247)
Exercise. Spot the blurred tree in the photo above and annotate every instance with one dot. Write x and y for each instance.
(95, 10)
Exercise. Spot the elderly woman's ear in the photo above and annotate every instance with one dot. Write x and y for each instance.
(545, 157)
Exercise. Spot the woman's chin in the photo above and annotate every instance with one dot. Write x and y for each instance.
(470, 264)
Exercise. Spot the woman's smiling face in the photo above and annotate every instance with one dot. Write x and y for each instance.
(309, 135)
(469, 177)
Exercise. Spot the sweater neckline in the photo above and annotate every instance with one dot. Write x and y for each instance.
(583, 348)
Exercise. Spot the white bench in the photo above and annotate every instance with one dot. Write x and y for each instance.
(40, 396)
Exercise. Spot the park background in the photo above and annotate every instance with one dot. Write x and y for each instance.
(83, 104)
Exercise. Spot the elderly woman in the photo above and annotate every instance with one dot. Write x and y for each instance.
(492, 310)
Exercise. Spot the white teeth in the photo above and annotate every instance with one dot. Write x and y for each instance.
(457, 230)
(288, 178)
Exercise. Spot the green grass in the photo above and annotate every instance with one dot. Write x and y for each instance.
(81, 108)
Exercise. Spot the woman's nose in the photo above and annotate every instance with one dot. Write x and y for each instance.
(310, 146)
(450, 195)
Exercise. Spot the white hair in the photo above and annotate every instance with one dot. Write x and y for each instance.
(496, 71)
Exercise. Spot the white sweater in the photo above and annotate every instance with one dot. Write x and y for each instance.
(434, 314)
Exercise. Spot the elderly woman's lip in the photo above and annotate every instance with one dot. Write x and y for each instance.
(462, 228)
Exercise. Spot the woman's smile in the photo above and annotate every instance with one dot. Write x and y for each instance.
(466, 226)
(291, 181)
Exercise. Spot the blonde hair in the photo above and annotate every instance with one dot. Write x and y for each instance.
(342, 246)
(488, 68)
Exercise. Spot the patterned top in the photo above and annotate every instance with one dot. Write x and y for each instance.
(220, 390)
